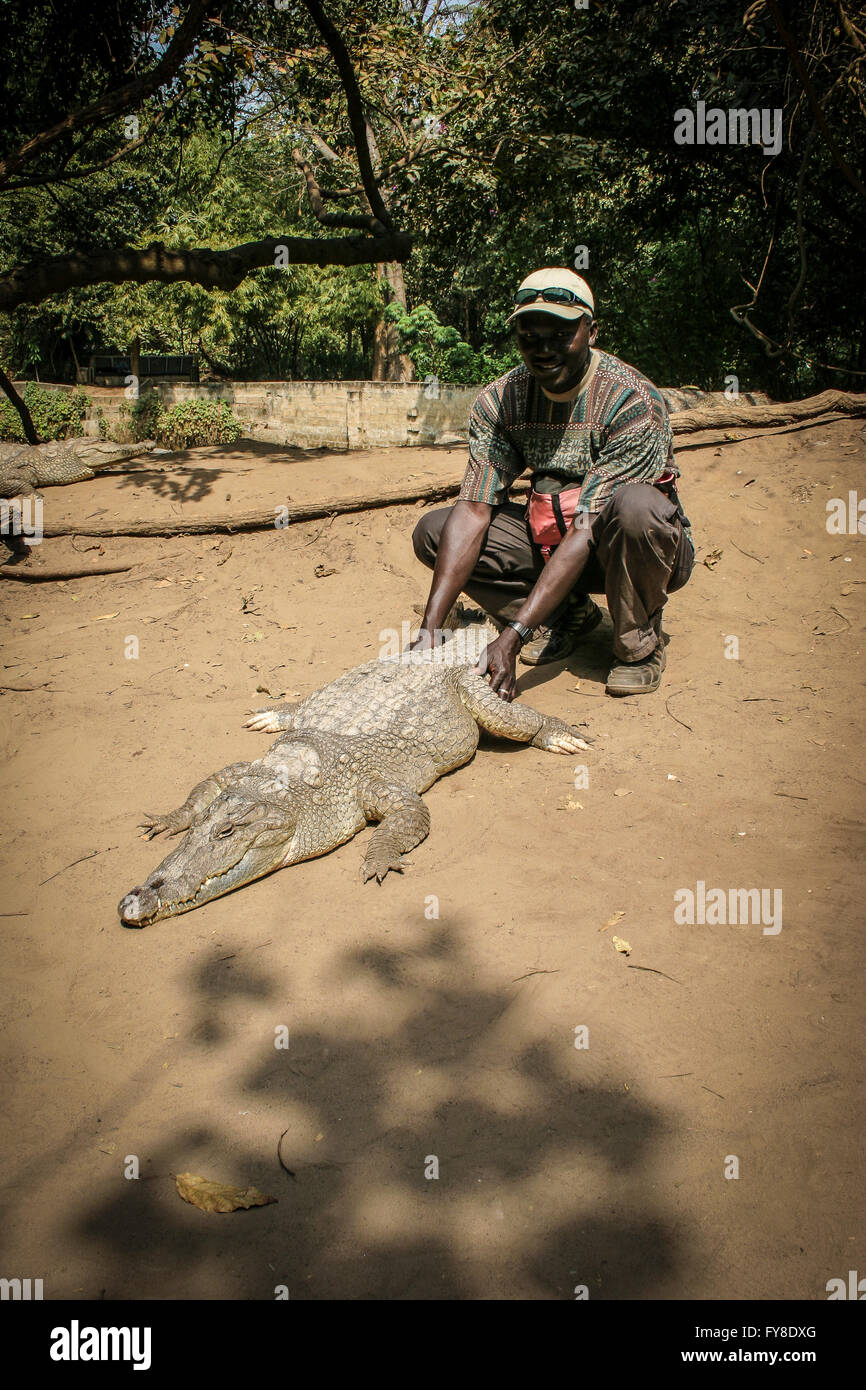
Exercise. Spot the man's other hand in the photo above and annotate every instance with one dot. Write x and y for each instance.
(498, 661)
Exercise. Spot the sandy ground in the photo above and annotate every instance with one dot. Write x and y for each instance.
(415, 1036)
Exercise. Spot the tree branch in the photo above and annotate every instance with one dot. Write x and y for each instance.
(117, 102)
(216, 270)
(364, 221)
(806, 83)
(62, 177)
(321, 145)
(849, 27)
(343, 63)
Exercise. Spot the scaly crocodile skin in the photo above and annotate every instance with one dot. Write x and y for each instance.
(24, 469)
(361, 749)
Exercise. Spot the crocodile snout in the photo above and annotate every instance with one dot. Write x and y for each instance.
(138, 906)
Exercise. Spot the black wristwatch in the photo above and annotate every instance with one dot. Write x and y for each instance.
(524, 633)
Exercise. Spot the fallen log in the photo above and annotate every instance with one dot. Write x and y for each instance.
(706, 441)
(733, 416)
(260, 520)
(53, 576)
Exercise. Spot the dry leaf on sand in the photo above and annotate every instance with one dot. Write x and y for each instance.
(612, 921)
(218, 1196)
(621, 945)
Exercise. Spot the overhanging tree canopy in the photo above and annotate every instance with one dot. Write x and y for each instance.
(492, 137)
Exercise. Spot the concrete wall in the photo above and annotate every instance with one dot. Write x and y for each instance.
(363, 414)
(339, 414)
(347, 414)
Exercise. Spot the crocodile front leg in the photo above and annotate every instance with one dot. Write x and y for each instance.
(404, 822)
(199, 799)
(14, 484)
(515, 721)
(274, 719)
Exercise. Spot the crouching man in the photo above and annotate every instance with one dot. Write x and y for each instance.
(603, 515)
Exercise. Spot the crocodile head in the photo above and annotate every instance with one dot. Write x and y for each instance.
(244, 834)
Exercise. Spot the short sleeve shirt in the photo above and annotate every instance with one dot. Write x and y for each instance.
(616, 431)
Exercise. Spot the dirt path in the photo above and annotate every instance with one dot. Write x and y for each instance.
(413, 1035)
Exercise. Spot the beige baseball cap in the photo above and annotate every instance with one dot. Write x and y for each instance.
(553, 278)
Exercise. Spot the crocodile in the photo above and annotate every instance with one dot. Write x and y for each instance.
(24, 468)
(360, 749)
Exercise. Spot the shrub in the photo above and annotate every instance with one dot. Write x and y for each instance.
(437, 349)
(190, 424)
(138, 421)
(55, 414)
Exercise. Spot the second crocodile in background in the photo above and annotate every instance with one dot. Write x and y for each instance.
(26, 467)
(361, 749)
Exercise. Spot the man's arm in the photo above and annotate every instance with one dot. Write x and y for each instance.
(459, 547)
(557, 579)
(494, 463)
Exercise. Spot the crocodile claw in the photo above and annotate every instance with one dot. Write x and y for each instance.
(378, 866)
(559, 737)
(565, 743)
(155, 825)
(265, 720)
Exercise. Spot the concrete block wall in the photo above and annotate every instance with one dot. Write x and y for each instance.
(349, 414)
(339, 414)
(365, 414)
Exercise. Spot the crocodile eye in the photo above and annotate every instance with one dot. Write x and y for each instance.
(222, 832)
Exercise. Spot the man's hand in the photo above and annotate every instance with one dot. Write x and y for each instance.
(424, 641)
(498, 660)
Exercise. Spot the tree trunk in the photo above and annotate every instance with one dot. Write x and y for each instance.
(296, 343)
(216, 367)
(74, 357)
(389, 363)
(367, 335)
(135, 362)
(26, 421)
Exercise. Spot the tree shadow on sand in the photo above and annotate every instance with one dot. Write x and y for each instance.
(176, 481)
(356, 1217)
(190, 475)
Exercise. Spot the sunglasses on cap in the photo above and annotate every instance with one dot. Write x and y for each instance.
(554, 295)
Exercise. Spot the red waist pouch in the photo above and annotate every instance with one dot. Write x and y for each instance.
(549, 515)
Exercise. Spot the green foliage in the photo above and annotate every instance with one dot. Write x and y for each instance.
(141, 420)
(55, 414)
(437, 349)
(570, 144)
(191, 424)
(186, 425)
(511, 131)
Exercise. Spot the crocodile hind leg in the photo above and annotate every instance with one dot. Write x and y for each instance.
(404, 822)
(516, 721)
(274, 719)
(199, 799)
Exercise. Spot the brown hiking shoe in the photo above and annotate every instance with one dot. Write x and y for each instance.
(555, 643)
(638, 677)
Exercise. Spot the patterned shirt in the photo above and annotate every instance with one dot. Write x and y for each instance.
(615, 431)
